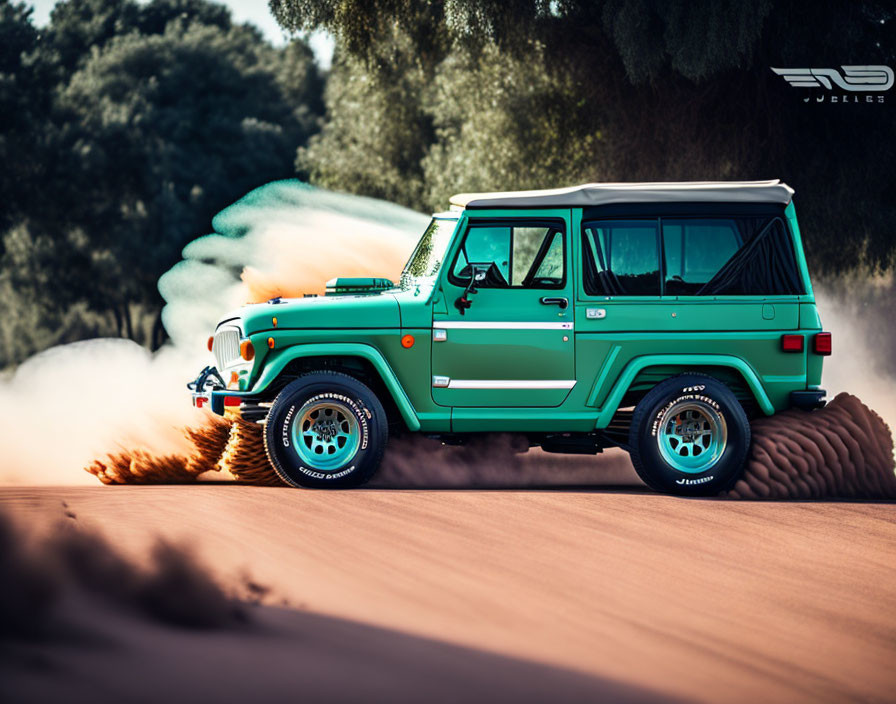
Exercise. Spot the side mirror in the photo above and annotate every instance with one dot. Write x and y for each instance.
(477, 273)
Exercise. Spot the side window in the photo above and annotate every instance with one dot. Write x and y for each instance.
(621, 258)
(527, 255)
(695, 250)
(483, 245)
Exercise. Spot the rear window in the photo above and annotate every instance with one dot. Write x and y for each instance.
(689, 257)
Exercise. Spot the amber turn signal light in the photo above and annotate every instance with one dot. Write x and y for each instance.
(407, 341)
(211, 342)
(270, 343)
(247, 350)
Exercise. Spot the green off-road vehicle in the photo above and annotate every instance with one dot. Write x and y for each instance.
(656, 317)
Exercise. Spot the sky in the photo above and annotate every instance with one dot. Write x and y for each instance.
(254, 11)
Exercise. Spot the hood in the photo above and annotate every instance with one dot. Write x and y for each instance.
(378, 310)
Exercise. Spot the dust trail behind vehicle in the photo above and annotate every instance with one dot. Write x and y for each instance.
(71, 405)
(859, 308)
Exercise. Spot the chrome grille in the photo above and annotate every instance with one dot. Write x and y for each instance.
(226, 346)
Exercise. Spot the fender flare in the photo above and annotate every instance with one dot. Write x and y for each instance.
(614, 398)
(277, 361)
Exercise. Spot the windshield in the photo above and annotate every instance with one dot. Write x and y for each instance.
(427, 257)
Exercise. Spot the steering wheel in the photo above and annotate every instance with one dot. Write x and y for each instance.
(493, 277)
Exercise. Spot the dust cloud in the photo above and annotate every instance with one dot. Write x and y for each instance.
(68, 405)
(859, 309)
(284, 239)
(114, 408)
(71, 404)
(844, 450)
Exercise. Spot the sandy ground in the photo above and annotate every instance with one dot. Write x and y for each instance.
(708, 600)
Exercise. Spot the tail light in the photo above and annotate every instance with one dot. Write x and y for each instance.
(211, 342)
(247, 350)
(792, 343)
(822, 343)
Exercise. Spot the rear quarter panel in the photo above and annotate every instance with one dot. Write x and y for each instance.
(622, 329)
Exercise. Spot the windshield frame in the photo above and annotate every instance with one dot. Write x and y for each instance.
(445, 246)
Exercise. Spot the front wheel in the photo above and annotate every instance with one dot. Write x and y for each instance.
(689, 435)
(326, 430)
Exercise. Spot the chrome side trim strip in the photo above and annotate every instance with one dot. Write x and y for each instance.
(463, 324)
(508, 383)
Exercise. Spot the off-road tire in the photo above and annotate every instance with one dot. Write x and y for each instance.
(649, 432)
(359, 406)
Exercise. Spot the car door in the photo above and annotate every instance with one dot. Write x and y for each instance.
(513, 345)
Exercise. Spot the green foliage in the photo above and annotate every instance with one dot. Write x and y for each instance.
(23, 109)
(530, 93)
(152, 118)
(377, 133)
(503, 122)
(697, 38)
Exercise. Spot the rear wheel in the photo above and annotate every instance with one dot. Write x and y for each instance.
(326, 430)
(689, 435)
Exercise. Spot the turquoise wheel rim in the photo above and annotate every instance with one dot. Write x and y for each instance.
(692, 437)
(326, 435)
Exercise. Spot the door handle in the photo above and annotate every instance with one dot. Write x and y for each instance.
(555, 301)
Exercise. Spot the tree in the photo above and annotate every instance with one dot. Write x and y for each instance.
(549, 93)
(24, 107)
(505, 121)
(378, 132)
(156, 117)
(171, 127)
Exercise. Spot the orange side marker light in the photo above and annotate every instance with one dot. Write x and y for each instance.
(407, 341)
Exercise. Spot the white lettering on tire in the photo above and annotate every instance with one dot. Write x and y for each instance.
(655, 426)
(701, 480)
(361, 414)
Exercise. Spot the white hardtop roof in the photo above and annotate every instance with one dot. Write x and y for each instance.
(591, 194)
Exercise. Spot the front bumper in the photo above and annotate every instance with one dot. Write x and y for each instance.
(217, 401)
(209, 391)
(808, 400)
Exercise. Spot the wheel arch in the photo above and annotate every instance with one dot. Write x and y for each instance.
(364, 362)
(678, 364)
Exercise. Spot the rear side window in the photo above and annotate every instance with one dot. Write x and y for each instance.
(735, 256)
(694, 251)
(622, 258)
(765, 264)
